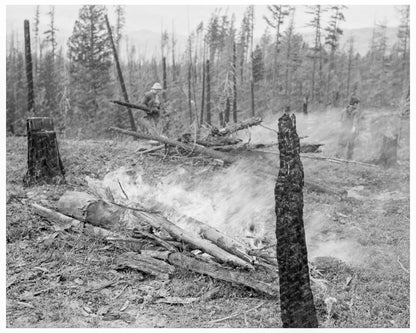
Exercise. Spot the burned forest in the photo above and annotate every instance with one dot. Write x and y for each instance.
(207, 166)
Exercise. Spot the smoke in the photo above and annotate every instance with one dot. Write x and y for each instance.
(327, 128)
(323, 239)
(235, 201)
(239, 200)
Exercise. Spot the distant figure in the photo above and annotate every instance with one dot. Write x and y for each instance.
(349, 120)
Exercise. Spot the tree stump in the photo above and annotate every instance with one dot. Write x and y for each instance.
(296, 299)
(388, 154)
(44, 163)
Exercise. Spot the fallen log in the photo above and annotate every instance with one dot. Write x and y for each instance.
(65, 222)
(88, 208)
(141, 107)
(180, 234)
(249, 279)
(146, 264)
(198, 228)
(339, 160)
(167, 245)
(111, 216)
(162, 270)
(187, 147)
(232, 128)
(217, 141)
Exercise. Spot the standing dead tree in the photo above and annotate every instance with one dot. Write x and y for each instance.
(29, 70)
(296, 299)
(43, 160)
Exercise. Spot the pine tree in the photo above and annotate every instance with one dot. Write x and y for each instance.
(278, 14)
(332, 40)
(89, 52)
(36, 41)
(350, 64)
(403, 44)
(120, 21)
(316, 24)
(258, 64)
(49, 77)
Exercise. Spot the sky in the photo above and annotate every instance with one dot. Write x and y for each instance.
(186, 17)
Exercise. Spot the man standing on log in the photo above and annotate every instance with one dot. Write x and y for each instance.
(296, 300)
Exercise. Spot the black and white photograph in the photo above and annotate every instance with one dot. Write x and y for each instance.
(229, 166)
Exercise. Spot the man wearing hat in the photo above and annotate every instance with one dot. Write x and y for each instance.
(152, 100)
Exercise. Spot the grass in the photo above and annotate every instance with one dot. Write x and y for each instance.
(53, 278)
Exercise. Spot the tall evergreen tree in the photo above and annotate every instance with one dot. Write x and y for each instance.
(89, 52)
(258, 64)
(403, 36)
(120, 21)
(332, 40)
(316, 23)
(278, 14)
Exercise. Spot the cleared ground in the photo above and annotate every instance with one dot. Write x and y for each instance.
(359, 243)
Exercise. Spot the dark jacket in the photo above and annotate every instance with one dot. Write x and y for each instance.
(151, 100)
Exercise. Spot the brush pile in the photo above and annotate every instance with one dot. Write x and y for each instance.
(158, 239)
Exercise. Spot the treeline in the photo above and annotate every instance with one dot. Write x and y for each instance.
(222, 76)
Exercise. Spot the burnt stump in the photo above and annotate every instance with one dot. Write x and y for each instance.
(44, 164)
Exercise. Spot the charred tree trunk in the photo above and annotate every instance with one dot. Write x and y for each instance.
(120, 76)
(164, 78)
(29, 70)
(253, 112)
(203, 93)
(388, 156)
(221, 119)
(208, 94)
(296, 299)
(190, 94)
(234, 83)
(44, 163)
(227, 111)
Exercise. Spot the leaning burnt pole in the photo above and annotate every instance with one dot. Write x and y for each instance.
(120, 75)
(296, 299)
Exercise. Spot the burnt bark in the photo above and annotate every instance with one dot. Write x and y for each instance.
(388, 156)
(234, 83)
(29, 70)
(296, 299)
(208, 116)
(164, 78)
(227, 111)
(44, 164)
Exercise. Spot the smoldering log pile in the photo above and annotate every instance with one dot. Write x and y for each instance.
(160, 245)
(220, 145)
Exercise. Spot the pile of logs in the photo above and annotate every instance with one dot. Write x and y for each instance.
(219, 142)
(162, 246)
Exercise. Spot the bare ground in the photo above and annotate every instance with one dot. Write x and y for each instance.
(62, 279)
